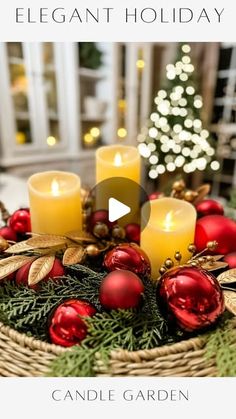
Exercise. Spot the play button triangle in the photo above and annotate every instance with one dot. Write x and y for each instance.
(117, 210)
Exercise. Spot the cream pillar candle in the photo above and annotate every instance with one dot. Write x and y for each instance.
(118, 161)
(171, 228)
(55, 202)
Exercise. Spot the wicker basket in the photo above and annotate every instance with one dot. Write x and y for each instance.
(23, 356)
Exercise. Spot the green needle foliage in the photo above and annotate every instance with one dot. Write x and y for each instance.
(28, 311)
(221, 346)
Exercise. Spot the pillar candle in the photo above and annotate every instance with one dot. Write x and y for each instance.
(170, 228)
(123, 162)
(55, 202)
(117, 160)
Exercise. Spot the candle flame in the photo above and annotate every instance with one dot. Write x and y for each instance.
(55, 188)
(118, 159)
(168, 222)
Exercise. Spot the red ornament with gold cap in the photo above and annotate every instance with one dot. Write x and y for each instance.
(190, 296)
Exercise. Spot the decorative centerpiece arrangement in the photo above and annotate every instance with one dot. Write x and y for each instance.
(83, 295)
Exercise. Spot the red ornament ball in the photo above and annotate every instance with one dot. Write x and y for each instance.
(219, 228)
(99, 216)
(8, 233)
(20, 221)
(121, 290)
(155, 195)
(67, 328)
(128, 256)
(132, 231)
(191, 296)
(209, 207)
(231, 260)
(23, 273)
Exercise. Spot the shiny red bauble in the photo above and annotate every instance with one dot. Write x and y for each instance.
(209, 207)
(191, 296)
(121, 290)
(128, 256)
(219, 228)
(231, 260)
(20, 221)
(23, 273)
(99, 216)
(67, 327)
(8, 234)
(132, 232)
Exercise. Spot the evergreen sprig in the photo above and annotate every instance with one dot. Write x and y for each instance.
(142, 328)
(127, 329)
(221, 346)
(27, 310)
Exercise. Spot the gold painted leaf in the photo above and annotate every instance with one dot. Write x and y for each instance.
(218, 257)
(202, 191)
(40, 268)
(230, 301)
(227, 277)
(19, 247)
(12, 264)
(213, 266)
(81, 236)
(45, 241)
(73, 255)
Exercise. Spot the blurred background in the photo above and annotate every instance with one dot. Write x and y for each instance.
(60, 101)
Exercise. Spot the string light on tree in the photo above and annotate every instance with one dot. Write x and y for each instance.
(174, 137)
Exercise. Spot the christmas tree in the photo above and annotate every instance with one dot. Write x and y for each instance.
(174, 137)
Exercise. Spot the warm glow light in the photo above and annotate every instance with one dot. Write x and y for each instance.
(122, 104)
(186, 48)
(20, 138)
(121, 132)
(168, 222)
(215, 165)
(55, 188)
(51, 141)
(183, 77)
(117, 159)
(95, 132)
(88, 138)
(140, 64)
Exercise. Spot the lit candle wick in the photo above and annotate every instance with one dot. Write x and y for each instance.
(168, 222)
(55, 188)
(118, 159)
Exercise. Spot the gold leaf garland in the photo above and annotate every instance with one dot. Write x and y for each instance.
(73, 255)
(12, 264)
(230, 301)
(40, 268)
(81, 237)
(45, 241)
(42, 249)
(19, 247)
(229, 277)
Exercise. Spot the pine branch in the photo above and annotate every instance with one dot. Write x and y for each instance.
(221, 346)
(28, 310)
(126, 329)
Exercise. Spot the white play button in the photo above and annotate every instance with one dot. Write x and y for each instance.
(117, 210)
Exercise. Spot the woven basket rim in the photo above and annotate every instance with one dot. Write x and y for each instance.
(36, 344)
(119, 354)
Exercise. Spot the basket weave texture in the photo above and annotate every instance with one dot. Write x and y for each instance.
(23, 356)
